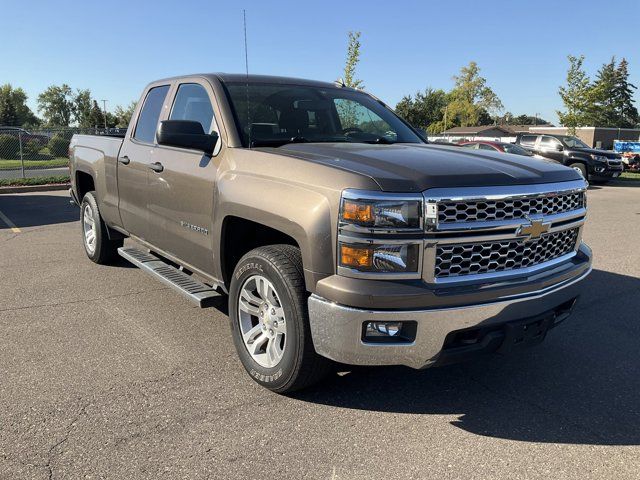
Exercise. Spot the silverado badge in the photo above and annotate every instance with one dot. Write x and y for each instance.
(534, 229)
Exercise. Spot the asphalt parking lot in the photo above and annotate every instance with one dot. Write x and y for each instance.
(105, 373)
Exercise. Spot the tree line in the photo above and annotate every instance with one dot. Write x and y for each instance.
(606, 101)
(59, 106)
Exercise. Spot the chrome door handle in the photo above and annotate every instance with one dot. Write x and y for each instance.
(156, 167)
(124, 160)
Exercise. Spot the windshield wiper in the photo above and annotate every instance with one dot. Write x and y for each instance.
(277, 142)
(379, 140)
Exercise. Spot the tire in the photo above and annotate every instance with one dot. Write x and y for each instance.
(268, 289)
(581, 168)
(101, 250)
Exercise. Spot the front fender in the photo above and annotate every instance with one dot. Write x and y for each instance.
(299, 211)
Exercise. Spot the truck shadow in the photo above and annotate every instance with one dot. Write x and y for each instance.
(37, 210)
(581, 386)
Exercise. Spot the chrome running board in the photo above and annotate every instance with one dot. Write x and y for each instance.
(201, 294)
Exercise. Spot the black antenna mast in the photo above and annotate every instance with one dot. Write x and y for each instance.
(246, 66)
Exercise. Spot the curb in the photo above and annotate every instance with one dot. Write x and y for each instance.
(34, 188)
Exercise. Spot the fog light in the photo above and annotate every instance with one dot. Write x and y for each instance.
(389, 332)
(599, 169)
(385, 329)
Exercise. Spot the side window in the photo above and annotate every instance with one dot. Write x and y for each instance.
(192, 103)
(149, 115)
(484, 146)
(528, 140)
(473, 146)
(549, 142)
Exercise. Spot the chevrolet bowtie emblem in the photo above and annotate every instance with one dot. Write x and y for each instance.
(534, 229)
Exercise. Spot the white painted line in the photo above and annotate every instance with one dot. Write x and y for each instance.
(9, 223)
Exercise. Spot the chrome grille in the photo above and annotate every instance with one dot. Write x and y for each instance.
(498, 256)
(510, 208)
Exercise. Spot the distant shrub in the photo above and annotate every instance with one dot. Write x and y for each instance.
(59, 146)
(31, 149)
(9, 146)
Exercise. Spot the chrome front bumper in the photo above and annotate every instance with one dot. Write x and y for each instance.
(337, 329)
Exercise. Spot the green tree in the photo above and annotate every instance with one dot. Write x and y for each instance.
(18, 98)
(576, 96)
(124, 114)
(96, 118)
(470, 97)
(353, 58)
(510, 119)
(8, 114)
(627, 113)
(57, 105)
(601, 108)
(424, 108)
(82, 103)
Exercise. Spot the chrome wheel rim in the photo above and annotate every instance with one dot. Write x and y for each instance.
(262, 321)
(579, 170)
(89, 229)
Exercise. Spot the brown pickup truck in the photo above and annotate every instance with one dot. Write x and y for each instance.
(336, 232)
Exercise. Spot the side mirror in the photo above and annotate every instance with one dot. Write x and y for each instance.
(186, 134)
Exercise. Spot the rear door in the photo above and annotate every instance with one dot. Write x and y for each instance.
(181, 196)
(137, 152)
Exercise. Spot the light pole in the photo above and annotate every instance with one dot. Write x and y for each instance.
(104, 104)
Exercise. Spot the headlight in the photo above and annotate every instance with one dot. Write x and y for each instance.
(380, 258)
(377, 211)
(599, 158)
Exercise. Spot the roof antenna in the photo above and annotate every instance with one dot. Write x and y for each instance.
(246, 66)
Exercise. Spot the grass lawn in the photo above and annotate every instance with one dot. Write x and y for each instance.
(630, 176)
(14, 164)
(5, 182)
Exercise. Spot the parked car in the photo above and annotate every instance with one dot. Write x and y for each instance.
(503, 147)
(334, 237)
(593, 164)
(25, 135)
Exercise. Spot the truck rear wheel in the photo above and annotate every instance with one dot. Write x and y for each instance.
(270, 320)
(97, 245)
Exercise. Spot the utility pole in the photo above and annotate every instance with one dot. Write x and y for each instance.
(104, 104)
(446, 107)
(535, 119)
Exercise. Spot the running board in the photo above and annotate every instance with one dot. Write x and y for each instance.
(201, 294)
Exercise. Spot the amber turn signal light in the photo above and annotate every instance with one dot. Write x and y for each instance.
(356, 257)
(356, 212)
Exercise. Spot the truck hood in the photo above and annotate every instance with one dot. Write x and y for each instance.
(414, 168)
(594, 151)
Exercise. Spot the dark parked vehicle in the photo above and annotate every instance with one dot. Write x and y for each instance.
(503, 147)
(335, 231)
(593, 164)
(24, 135)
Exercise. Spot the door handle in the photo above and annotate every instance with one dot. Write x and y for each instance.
(156, 167)
(124, 160)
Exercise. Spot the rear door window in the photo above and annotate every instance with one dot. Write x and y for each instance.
(149, 115)
(529, 140)
(484, 146)
(192, 103)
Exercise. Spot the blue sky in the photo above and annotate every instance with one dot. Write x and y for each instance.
(115, 48)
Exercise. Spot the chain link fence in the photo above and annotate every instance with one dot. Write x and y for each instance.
(39, 153)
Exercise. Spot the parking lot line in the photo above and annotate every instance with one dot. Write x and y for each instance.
(9, 223)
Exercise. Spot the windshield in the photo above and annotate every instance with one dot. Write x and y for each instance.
(573, 142)
(511, 148)
(278, 114)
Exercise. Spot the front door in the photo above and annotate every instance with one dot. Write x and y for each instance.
(133, 164)
(550, 147)
(181, 196)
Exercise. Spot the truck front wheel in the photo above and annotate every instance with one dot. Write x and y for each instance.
(270, 322)
(97, 245)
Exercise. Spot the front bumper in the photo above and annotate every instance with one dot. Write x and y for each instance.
(337, 330)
